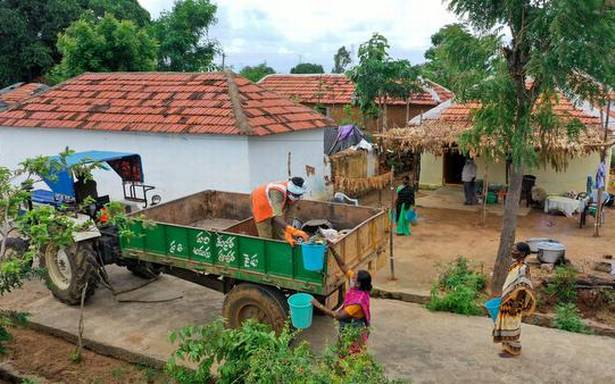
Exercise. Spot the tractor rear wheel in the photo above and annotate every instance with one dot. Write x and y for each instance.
(145, 269)
(251, 301)
(69, 269)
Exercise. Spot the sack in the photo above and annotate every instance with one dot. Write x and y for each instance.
(412, 216)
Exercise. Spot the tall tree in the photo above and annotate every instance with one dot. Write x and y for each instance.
(121, 9)
(551, 43)
(29, 31)
(257, 72)
(104, 45)
(182, 33)
(341, 60)
(307, 68)
(28, 34)
(446, 67)
(378, 77)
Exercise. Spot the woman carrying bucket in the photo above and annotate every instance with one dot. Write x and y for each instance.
(355, 312)
(518, 299)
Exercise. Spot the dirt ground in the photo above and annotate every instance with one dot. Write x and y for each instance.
(35, 353)
(443, 235)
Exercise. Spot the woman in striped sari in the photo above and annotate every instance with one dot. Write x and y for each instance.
(518, 299)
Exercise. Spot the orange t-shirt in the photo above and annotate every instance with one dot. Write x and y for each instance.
(354, 310)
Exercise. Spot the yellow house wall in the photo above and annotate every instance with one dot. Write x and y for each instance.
(574, 177)
(431, 171)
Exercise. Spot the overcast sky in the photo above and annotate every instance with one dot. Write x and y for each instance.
(285, 32)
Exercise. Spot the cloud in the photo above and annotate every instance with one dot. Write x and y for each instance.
(282, 32)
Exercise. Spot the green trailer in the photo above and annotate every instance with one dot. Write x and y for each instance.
(210, 238)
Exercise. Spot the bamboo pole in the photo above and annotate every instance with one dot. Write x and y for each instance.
(391, 221)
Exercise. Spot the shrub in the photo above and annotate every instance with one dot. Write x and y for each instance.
(458, 289)
(563, 285)
(10, 319)
(255, 354)
(567, 318)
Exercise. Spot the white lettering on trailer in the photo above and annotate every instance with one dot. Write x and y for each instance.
(226, 249)
(175, 247)
(250, 261)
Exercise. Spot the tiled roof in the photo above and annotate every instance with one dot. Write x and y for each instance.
(461, 113)
(339, 89)
(19, 92)
(197, 103)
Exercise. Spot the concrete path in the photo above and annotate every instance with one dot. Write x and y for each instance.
(410, 341)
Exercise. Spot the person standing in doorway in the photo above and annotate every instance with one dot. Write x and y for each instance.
(468, 177)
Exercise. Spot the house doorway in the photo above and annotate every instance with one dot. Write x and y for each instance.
(453, 166)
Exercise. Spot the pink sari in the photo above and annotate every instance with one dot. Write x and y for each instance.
(357, 296)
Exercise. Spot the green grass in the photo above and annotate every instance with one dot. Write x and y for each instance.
(567, 318)
(563, 285)
(458, 289)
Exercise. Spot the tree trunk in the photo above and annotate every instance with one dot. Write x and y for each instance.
(483, 219)
(509, 226)
(603, 151)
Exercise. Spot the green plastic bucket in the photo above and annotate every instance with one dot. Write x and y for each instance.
(492, 198)
(301, 310)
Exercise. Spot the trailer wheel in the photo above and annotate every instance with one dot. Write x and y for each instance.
(68, 269)
(145, 269)
(250, 301)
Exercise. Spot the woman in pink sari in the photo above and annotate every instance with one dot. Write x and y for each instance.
(355, 312)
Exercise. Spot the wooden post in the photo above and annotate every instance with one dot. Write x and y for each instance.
(288, 165)
(485, 192)
(391, 226)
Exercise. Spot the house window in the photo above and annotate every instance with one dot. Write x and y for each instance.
(322, 110)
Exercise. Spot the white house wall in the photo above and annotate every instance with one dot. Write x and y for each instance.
(269, 159)
(574, 177)
(176, 165)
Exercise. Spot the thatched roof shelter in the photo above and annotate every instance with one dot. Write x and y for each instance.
(439, 129)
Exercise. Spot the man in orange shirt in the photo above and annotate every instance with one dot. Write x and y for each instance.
(269, 205)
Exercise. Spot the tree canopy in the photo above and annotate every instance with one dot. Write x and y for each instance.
(121, 9)
(378, 76)
(104, 45)
(447, 66)
(341, 60)
(307, 68)
(554, 46)
(29, 30)
(257, 72)
(182, 33)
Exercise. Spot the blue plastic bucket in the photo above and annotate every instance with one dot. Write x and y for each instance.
(301, 310)
(313, 256)
(493, 307)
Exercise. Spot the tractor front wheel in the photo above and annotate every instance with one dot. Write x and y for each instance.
(68, 271)
(250, 301)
